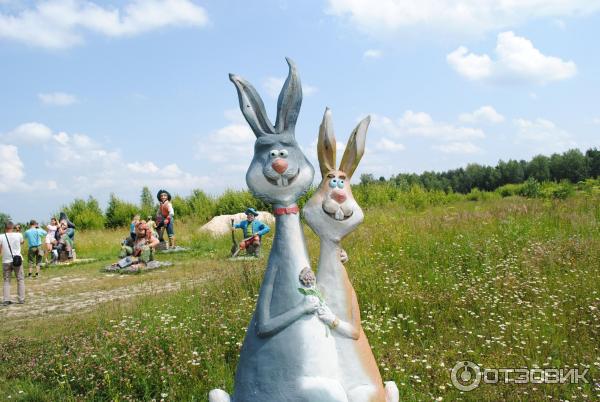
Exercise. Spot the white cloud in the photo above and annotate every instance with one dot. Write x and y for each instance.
(83, 165)
(57, 99)
(385, 144)
(12, 172)
(421, 124)
(28, 133)
(146, 167)
(483, 114)
(596, 120)
(517, 61)
(273, 87)
(64, 23)
(458, 148)
(543, 135)
(464, 17)
(372, 54)
(233, 143)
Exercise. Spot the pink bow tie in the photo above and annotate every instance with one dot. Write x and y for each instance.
(287, 210)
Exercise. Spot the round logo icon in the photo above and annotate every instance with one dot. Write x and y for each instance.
(466, 376)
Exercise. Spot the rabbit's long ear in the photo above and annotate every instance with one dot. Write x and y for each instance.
(290, 99)
(252, 107)
(326, 144)
(355, 148)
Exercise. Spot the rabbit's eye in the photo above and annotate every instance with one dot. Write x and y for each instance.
(283, 153)
(340, 184)
(274, 153)
(333, 183)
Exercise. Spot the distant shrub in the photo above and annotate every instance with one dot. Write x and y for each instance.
(85, 214)
(119, 213)
(559, 191)
(509, 190)
(531, 188)
(202, 206)
(181, 207)
(232, 202)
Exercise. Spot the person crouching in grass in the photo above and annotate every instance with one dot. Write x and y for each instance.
(34, 236)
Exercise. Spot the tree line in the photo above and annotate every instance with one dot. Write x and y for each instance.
(572, 165)
(542, 176)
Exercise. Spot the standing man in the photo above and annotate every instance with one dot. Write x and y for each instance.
(11, 246)
(164, 217)
(34, 236)
(253, 232)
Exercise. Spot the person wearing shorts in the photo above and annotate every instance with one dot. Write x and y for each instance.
(34, 236)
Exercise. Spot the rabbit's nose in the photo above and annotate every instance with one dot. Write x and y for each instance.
(279, 165)
(338, 196)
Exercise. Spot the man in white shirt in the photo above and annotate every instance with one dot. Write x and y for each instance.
(11, 245)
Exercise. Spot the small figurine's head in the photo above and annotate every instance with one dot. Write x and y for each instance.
(142, 230)
(163, 195)
(251, 213)
(279, 172)
(332, 211)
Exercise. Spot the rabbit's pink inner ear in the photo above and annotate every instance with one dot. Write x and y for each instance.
(355, 148)
(326, 144)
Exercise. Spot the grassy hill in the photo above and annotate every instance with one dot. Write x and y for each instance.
(502, 282)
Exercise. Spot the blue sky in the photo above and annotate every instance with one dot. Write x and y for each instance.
(99, 97)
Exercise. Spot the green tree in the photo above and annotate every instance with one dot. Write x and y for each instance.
(4, 218)
(202, 206)
(367, 178)
(147, 206)
(571, 165)
(85, 214)
(593, 159)
(119, 213)
(538, 168)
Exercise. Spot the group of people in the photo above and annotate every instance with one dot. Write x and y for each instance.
(57, 239)
(146, 235)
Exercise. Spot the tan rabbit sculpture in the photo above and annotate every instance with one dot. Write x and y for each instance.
(332, 213)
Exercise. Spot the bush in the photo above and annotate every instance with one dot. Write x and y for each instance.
(531, 188)
(559, 191)
(232, 202)
(119, 213)
(509, 190)
(85, 214)
(202, 206)
(180, 207)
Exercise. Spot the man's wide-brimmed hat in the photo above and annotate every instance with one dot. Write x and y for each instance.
(161, 192)
(251, 211)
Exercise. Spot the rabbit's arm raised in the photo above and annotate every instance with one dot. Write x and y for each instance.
(266, 325)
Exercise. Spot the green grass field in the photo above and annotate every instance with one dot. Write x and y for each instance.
(505, 283)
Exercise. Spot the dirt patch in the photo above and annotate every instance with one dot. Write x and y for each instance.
(40, 300)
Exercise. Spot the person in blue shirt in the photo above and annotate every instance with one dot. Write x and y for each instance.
(253, 232)
(35, 236)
